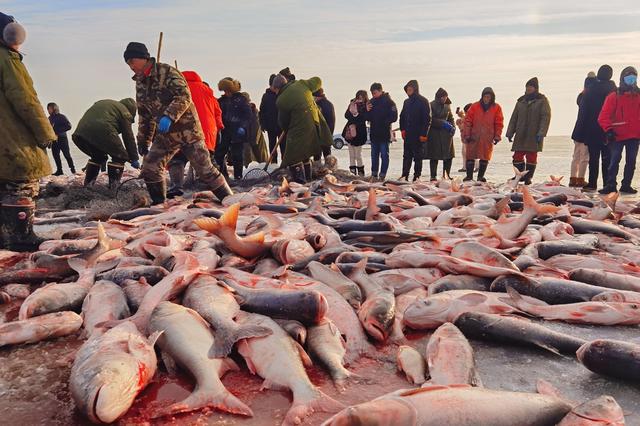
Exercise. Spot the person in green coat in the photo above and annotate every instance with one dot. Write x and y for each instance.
(25, 133)
(528, 127)
(98, 136)
(440, 138)
(305, 127)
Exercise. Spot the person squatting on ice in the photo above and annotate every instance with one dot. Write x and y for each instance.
(97, 135)
(61, 126)
(168, 118)
(482, 130)
(381, 113)
(527, 129)
(440, 139)
(355, 131)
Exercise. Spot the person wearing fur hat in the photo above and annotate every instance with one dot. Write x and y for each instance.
(528, 127)
(25, 133)
(236, 117)
(440, 138)
(620, 120)
(415, 119)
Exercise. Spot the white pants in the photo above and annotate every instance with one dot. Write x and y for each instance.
(355, 156)
(580, 160)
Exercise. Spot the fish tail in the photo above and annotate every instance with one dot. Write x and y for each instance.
(321, 403)
(225, 339)
(205, 398)
(490, 232)
(530, 203)
(26, 309)
(208, 224)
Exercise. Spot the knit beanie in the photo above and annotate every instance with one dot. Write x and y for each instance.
(533, 83)
(136, 50)
(605, 73)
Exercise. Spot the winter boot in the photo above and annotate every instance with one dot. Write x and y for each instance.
(360, 170)
(531, 168)
(17, 228)
(58, 173)
(308, 169)
(353, 170)
(469, 170)
(223, 190)
(581, 183)
(176, 175)
(573, 182)
(91, 172)
(482, 169)
(297, 173)
(157, 192)
(114, 171)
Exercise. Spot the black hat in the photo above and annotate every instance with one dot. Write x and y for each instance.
(376, 86)
(319, 93)
(136, 50)
(605, 73)
(533, 83)
(271, 77)
(286, 72)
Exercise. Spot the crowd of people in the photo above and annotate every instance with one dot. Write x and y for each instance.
(181, 122)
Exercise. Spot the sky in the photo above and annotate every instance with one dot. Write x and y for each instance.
(74, 48)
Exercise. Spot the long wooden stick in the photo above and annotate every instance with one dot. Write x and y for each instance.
(159, 47)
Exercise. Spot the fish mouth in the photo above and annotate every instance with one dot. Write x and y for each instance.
(581, 351)
(323, 307)
(376, 331)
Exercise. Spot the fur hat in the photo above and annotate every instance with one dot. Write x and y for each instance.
(11, 32)
(229, 85)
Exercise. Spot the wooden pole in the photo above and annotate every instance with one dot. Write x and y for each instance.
(175, 61)
(159, 47)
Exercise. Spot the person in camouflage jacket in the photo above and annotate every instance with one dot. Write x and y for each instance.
(167, 123)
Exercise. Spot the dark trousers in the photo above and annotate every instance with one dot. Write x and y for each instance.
(62, 145)
(446, 168)
(597, 152)
(273, 139)
(379, 151)
(326, 151)
(412, 154)
(631, 152)
(95, 153)
(236, 153)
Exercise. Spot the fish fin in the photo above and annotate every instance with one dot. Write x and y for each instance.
(430, 388)
(530, 203)
(545, 388)
(227, 365)
(301, 409)
(257, 238)
(515, 297)
(502, 205)
(490, 232)
(361, 266)
(269, 385)
(153, 337)
(372, 208)
(306, 360)
(201, 398)
(225, 339)
(230, 218)
(169, 363)
(245, 350)
(77, 264)
(476, 381)
(226, 286)
(208, 224)
(473, 299)
(106, 266)
(199, 318)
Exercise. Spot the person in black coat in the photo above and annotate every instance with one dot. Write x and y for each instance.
(329, 114)
(61, 126)
(355, 131)
(236, 117)
(381, 112)
(588, 131)
(415, 120)
(269, 118)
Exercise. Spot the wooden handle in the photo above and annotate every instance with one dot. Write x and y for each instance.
(159, 47)
(275, 148)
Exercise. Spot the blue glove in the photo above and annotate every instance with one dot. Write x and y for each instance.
(447, 126)
(163, 124)
(135, 164)
(241, 132)
(539, 139)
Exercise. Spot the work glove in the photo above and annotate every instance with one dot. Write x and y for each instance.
(423, 139)
(135, 164)
(143, 149)
(46, 144)
(539, 139)
(447, 126)
(241, 132)
(404, 134)
(496, 140)
(610, 135)
(163, 124)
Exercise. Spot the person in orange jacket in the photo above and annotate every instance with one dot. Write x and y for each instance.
(210, 116)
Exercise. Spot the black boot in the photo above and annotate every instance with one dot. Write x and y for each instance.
(433, 168)
(91, 173)
(469, 170)
(176, 175)
(446, 173)
(17, 228)
(297, 173)
(531, 168)
(58, 173)
(114, 171)
(353, 170)
(157, 192)
(223, 190)
(360, 171)
(519, 166)
(308, 170)
(482, 170)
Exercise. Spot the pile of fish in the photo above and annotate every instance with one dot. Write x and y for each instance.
(283, 276)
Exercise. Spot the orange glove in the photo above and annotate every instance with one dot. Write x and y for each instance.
(404, 134)
(423, 138)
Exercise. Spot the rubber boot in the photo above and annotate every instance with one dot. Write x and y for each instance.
(224, 190)
(433, 168)
(532, 169)
(519, 166)
(91, 172)
(360, 171)
(17, 228)
(114, 171)
(157, 192)
(482, 169)
(297, 173)
(308, 170)
(353, 170)
(469, 170)
(573, 182)
(176, 175)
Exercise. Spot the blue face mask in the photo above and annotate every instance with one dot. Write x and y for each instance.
(630, 80)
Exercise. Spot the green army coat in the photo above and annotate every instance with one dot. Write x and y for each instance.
(529, 119)
(440, 141)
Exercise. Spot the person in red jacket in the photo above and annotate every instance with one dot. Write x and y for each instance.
(620, 120)
(210, 116)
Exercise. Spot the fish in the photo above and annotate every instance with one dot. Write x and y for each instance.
(135, 291)
(307, 306)
(17, 291)
(132, 214)
(516, 331)
(325, 343)
(611, 358)
(460, 405)
(412, 364)
(586, 226)
(403, 280)
(151, 274)
(110, 370)
(337, 281)
(606, 279)
(103, 245)
(296, 329)
(429, 211)
(459, 282)
(217, 305)
(36, 329)
(479, 253)
(603, 410)
(280, 361)
(548, 249)
(595, 313)
(344, 226)
(225, 228)
(105, 301)
(450, 358)
(289, 252)
(186, 338)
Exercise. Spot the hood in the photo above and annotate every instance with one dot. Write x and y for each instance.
(414, 84)
(605, 73)
(533, 82)
(490, 91)
(440, 93)
(192, 76)
(130, 104)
